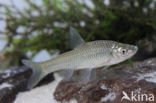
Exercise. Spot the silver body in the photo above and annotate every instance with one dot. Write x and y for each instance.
(83, 56)
(89, 55)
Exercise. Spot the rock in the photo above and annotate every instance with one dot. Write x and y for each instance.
(112, 84)
(40, 94)
(14, 80)
(109, 86)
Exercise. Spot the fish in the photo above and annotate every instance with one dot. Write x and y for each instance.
(85, 55)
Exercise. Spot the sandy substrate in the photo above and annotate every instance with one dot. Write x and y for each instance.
(42, 94)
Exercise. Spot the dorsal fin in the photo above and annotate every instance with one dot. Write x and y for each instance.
(75, 39)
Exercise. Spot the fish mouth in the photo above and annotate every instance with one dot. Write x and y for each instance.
(136, 48)
(133, 50)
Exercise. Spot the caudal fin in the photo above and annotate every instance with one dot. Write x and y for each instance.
(37, 75)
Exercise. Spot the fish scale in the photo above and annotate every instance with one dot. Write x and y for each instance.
(84, 56)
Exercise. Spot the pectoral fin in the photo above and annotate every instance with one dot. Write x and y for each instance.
(106, 67)
(75, 39)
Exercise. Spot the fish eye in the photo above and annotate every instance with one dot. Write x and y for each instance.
(123, 51)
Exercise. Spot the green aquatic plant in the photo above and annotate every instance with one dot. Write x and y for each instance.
(46, 26)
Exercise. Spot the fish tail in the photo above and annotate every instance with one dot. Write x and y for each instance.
(37, 74)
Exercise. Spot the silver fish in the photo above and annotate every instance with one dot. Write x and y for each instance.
(86, 55)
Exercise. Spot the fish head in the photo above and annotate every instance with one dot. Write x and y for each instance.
(122, 52)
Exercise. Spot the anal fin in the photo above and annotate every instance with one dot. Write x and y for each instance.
(83, 76)
(66, 74)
